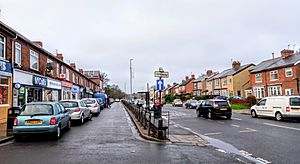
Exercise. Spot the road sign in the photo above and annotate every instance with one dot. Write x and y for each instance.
(160, 85)
(161, 74)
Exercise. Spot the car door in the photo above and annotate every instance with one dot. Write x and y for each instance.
(85, 109)
(66, 116)
(62, 115)
(261, 107)
(59, 114)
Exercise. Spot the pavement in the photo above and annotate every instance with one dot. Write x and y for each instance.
(109, 138)
(263, 140)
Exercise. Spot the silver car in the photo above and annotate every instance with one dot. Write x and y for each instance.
(79, 111)
(93, 104)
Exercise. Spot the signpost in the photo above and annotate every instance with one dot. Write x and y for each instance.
(160, 85)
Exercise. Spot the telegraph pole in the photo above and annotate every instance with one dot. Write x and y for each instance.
(130, 79)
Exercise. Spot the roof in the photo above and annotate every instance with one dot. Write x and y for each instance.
(42, 103)
(211, 77)
(278, 62)
(186, 82)
(201, 78)
(231, 71)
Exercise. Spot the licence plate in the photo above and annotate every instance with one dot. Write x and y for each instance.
(34, 122)
(223, 109)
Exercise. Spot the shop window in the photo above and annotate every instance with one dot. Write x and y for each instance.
(2, 47)
(34, 60)
(4, 85)
(18, 54)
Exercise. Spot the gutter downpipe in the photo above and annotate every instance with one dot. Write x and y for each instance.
(13, 65)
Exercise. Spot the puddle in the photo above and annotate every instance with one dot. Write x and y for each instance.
(228, 148)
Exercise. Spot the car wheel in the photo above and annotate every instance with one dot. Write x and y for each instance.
(278, 116)
(253, 114)
(81, 119)
(69, 125)
(57, 134)
(18, 138)
(210, 115)
(198, 113)
(90, 116)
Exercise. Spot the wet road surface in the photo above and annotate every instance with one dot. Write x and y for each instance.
(109, 138)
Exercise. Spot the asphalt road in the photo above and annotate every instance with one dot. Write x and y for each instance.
(261, 138)
(109, 138)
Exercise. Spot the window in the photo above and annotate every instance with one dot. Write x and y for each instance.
(217, 82)
(49, 60)
(262, 102)
(230, 81)
(18, 53)
(274, 75)
(2, 47)
(225, 80)
(295, 101)
(288, 72)
(274, 90)
(289, 92)
(258, 77)
(57, 70)
(4, 90)
(61, 69)
(34, 60)
(67, 75)
(73, 77)
(259, 92)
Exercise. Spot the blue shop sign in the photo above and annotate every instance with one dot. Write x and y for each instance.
(75, 89)
(5, 68)
(39, 81)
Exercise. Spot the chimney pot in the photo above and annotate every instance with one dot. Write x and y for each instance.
(193, 76)
(38, 43)
(183, 81)
(60, 56)
(209, 72)
(286, 53)
(73, 65)
(236, 65)
(186, 77)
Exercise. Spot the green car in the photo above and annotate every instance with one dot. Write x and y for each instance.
(41, 118)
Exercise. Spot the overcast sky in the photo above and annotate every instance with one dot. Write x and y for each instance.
(182, 36)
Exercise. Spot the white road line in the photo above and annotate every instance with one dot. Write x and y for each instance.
(281, 126)
(237, 126)
(233, 118)
(211, 134)
(248, 130)
(221, 122)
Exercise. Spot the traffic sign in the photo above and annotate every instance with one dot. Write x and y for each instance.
(160, 85)
(161, 74)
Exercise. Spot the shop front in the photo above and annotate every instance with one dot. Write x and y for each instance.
(88, 93)
(5, 94)
(66, 90)
(75, 92)
(53, 90)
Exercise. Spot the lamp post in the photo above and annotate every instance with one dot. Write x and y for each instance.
(130, 67)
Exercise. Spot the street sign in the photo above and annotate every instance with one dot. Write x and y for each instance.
(160, 85)
(161, 74)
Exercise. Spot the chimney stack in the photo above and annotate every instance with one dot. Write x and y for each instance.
(209, 72)
(60, 56)
(193, 76)
(186, 77)
(73, 65)
(80, 70)
(286, 53)
(236, 65)
(38, 43)
(183, 81)
(174, 83)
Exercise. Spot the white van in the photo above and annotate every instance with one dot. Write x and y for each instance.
(279, 107)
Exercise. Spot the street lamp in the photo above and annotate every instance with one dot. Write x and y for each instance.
(130, 67)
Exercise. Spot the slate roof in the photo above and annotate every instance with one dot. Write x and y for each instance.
(278, 62)
(185, 82)
(231, 71)
(201, 78)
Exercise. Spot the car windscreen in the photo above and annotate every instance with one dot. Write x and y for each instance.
(70, 104)
(295, 101)
(89, 101)
(37, 109)
(222, 103)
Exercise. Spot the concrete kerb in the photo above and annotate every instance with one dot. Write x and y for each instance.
(140, 130)
(242, 111)
(6, 139)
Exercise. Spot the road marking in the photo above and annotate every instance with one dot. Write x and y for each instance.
(281, 126)
(237, 126)
(211, 134)
(248, 130)
(233, 118)
(221, 122)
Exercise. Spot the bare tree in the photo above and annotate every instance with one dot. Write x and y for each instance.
(104, 78)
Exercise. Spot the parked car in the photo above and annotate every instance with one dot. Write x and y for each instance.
(199, 102)
(237, 97)
(102, 104)
(221, 98)
(191, 104)
(177, 102)
(79, 111)
(117, 100)
(40, 118)
(212, 108)
(93, 104)
(279, 107)
(140, 103)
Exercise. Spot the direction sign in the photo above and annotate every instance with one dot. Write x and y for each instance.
(160, 85)
(161, 74)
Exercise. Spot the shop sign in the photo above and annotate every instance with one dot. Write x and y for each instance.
(39, 81)
(22, 78)
(53, 84)
(66, 84)
(5, 68)
(75, 89)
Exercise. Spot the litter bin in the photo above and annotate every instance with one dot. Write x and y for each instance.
(12, 114)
